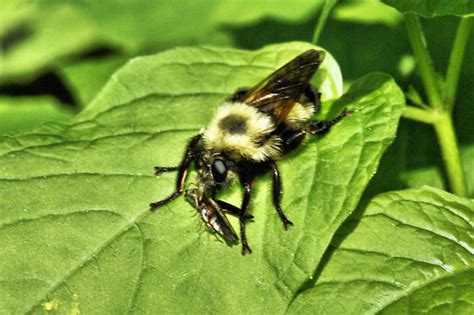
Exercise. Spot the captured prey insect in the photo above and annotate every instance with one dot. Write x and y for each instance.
(249, 133)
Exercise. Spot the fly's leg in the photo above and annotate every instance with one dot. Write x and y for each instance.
(182, 172)
(231, 209)
(277, 192)
(243, 213)
(319, 127)
(159, 170)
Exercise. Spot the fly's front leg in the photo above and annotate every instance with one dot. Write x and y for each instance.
(277, 192)
(242, 218)
(182, 172)
(159, 170)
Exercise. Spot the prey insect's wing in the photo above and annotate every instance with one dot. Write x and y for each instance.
(212, 214)
(215, 218)
(278, 93)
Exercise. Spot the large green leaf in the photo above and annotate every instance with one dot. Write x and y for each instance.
(432, 8)
(197, 77)
(76, 232)
(85, 78)
(410, 253)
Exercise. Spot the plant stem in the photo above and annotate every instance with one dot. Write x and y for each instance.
(443, 125)
(328, 5)
(439, 116)
(425, 65)
(455, 60)
(421, 115)
(449, 149)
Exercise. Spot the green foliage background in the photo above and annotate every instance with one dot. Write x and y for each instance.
(75, 231)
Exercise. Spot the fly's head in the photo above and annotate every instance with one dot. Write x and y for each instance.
(215, 171)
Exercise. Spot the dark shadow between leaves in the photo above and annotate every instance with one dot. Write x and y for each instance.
(15, 36)
(47, 84)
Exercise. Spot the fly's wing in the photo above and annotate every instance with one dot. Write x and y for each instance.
(277, 94)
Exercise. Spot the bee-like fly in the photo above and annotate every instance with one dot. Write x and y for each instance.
(249, 133)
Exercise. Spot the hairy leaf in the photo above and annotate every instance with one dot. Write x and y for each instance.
(432, 8)
(76, 233)
(410, 252)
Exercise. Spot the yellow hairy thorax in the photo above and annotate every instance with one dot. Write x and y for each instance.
(238, 129)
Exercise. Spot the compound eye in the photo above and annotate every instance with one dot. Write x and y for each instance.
(219, 170)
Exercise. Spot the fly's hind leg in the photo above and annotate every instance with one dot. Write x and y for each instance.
(319, 127)
(293, 139)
